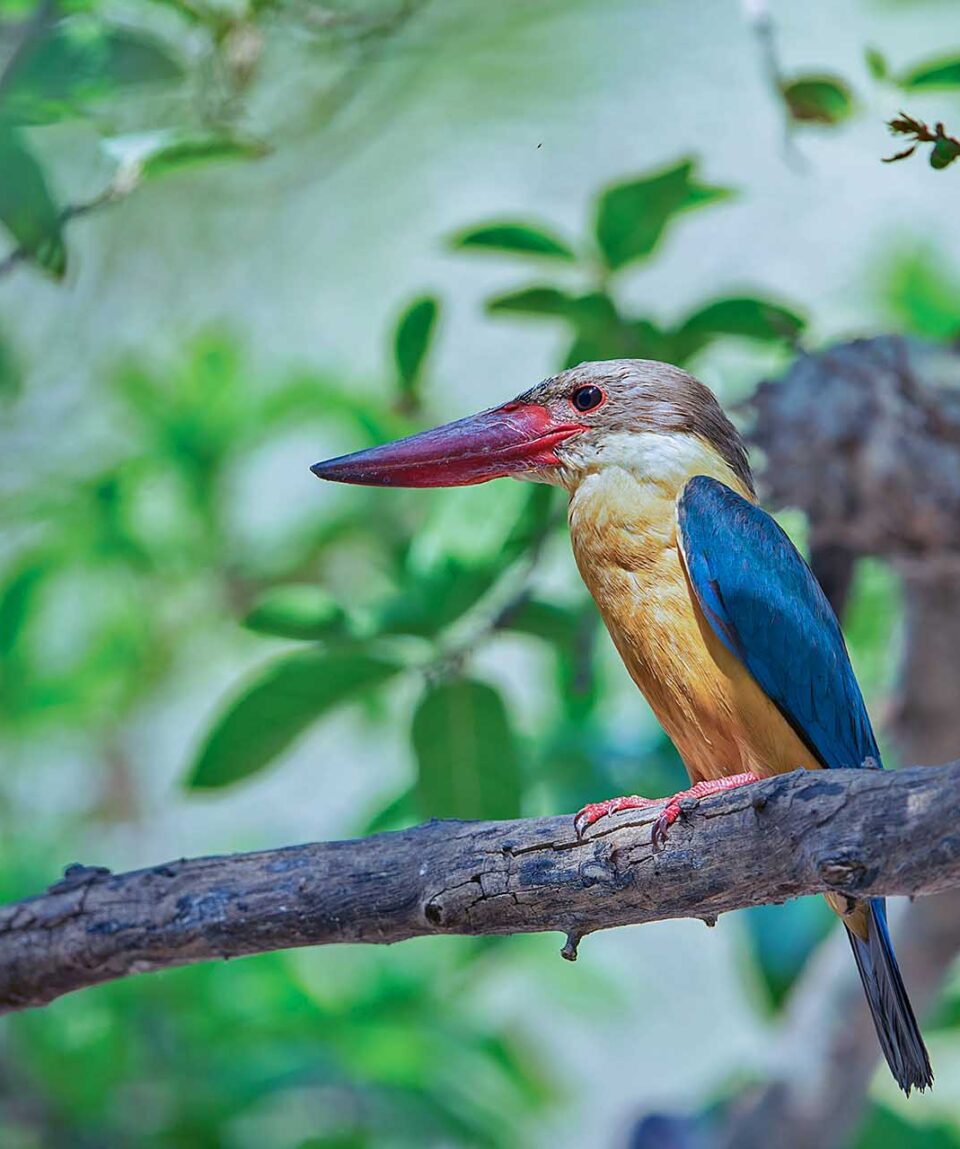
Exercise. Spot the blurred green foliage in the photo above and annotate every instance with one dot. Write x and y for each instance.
(818, 100)
(630, 222)
(186, 73)
(116, 577)
(823, 99)
(893, 1131)
(920, 295)
(364, 1049)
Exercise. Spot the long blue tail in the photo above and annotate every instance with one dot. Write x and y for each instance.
(892, 1013)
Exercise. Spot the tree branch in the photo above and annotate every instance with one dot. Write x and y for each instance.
(854, 831)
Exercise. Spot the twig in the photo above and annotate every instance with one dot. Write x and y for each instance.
(856, 831)
(945, 148)
(119, 188)
(757, 15)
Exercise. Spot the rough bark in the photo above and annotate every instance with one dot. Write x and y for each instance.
(854, 831)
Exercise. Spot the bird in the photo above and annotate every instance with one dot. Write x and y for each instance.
(716, 615)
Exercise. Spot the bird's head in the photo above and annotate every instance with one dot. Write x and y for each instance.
(635, 414)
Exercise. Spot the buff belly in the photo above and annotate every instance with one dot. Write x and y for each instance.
(625, 542)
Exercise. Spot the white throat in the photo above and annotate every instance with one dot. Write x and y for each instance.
(663, 459)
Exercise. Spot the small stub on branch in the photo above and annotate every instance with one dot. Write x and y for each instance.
(76, 875)
(571, 946)
(843, 873)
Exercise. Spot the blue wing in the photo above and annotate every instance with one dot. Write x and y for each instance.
(768, 610)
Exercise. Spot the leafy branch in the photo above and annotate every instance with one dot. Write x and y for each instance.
(40, 230)
(631, 222)
(945, 149)
(84, 61)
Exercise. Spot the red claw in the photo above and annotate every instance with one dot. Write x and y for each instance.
(672, 809)
(597, 810)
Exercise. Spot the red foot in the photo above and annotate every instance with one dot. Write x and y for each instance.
(597, 810)
(671, 811)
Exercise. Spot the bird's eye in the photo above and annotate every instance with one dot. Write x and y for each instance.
(587, 397)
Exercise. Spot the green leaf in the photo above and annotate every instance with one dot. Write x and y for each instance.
(877, 64)
(943, 153)
(818, 99)
(921, 293)
(467, 759)
(532, 523)
(27, 208)
(132, 58)
(570, 632)
(399, 812)
(745, 317)
(890, 1130)
(596, 312)
(192, 151)
(632, 217)
(10, 373)
(412, 341)
(441, 588)
(783, 937)
(297, 611)
(548, 621)
(433, 600)
(934, 74)
(516, 238)
(17, 601)
(601, 331)
(79, 63)
(550, 301)
(286, 697)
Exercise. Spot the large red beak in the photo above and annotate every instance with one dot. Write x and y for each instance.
(505, 440)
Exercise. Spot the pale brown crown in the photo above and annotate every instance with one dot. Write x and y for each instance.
(644, 395)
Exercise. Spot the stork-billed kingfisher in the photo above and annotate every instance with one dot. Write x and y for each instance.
(717, 617)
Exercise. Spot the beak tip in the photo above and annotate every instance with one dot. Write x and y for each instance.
(342, 470)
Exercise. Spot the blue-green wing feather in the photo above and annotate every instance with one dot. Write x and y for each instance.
(765, 606)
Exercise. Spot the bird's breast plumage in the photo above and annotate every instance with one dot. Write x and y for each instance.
(624, 533)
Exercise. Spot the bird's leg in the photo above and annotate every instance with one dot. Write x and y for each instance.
(673, 808)
(671, 811)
